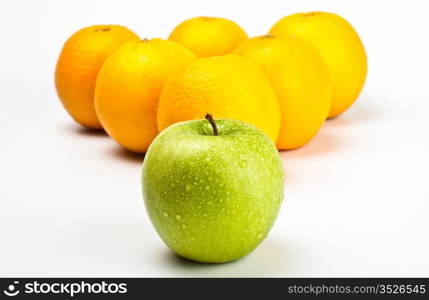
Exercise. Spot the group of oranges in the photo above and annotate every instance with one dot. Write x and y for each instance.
(309, 67)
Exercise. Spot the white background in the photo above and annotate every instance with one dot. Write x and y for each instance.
(357, 201)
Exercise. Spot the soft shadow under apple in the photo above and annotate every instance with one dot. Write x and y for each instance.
(268, 258)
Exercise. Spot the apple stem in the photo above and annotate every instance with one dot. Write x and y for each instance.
(209, 118)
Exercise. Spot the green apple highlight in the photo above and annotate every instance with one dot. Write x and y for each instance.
(212, 188)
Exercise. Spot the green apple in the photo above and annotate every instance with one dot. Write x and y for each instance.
(212, 188)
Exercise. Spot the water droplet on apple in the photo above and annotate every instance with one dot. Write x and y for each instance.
(242, 163)
(178, 217)
(183, 226)
(207, 187)
(188, 187)
(165, 214)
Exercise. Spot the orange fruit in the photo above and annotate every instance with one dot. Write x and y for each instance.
(78, 65)
(301, 81)
(340, 47)
(208, 36)
(229, 87)
(129, 85)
